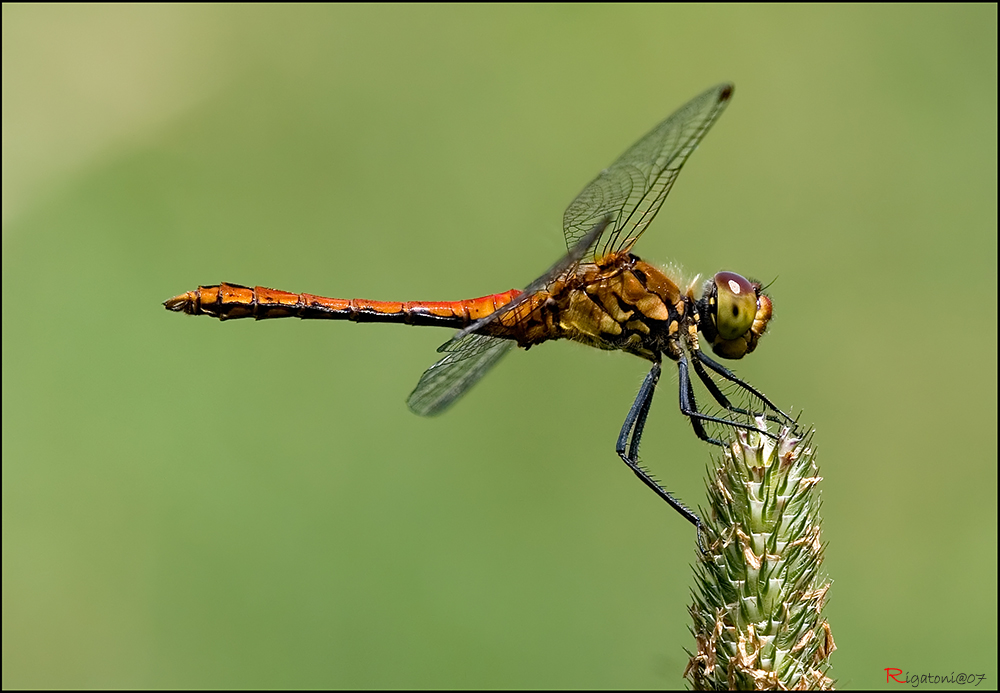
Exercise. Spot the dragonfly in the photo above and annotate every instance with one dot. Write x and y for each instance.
(599, 294)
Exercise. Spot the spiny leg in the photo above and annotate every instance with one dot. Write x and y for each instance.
(689, 407)
(628, 446)
(723, 400)
(702, 358)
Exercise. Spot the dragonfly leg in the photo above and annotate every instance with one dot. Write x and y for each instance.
(628, 446)
(721, 398)
(689, 407)
(702, 359)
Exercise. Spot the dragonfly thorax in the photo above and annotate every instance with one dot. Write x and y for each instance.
(618, 302)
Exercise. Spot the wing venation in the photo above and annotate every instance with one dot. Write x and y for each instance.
(632, 189)
(466, 360)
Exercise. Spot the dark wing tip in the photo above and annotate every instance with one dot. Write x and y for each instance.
(727, 92)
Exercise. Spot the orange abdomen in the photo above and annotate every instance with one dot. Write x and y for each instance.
(232, 301)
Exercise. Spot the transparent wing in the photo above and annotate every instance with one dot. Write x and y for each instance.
(470, 356)
(466, 361)
(631, 190)
(583, 247)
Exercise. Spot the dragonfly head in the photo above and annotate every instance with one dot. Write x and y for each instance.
(734, 313)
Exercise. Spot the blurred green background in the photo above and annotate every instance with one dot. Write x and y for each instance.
(188, 503)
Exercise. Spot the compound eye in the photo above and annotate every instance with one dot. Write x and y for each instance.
(736, 304)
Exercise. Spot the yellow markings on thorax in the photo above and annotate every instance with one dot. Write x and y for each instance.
(648, 303)
(587, 317)
(620, 303)
(624, 290)
(637, 326)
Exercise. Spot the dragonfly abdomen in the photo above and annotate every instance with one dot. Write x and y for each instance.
(233, 301)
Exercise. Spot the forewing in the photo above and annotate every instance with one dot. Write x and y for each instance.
(631, 190)
(466, 361)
